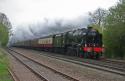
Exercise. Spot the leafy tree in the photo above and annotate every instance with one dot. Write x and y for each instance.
(114, 35)
(3, 35)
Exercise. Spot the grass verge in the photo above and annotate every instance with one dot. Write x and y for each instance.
(4, 63)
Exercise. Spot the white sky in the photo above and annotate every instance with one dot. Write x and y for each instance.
(29, 11)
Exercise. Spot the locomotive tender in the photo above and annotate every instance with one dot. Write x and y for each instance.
(85, 42)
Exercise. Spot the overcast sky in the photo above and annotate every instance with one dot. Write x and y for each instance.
(30, 11)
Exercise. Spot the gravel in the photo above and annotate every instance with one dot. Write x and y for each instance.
(22, 73)
(79, 72)
(41, 70)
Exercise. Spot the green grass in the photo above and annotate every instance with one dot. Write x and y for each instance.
(4, 74)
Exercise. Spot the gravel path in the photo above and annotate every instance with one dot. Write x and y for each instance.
(79, 72)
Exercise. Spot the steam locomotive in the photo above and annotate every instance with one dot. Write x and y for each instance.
(85, 42)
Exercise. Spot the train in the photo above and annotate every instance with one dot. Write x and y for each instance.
(84, 43)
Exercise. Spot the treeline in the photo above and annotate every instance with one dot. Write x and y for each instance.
(4, 35)
(112, 24)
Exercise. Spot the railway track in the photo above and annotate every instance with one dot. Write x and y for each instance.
(115, 61)
(42, 71)
(105, 65)
(14, 77)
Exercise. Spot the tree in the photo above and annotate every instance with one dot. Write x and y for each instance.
(3, 35)
(114, 35)
(98, 16)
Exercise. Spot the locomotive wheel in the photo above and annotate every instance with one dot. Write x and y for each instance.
(68, 52)
(85, 55)
(97, 56)
(71, 52)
